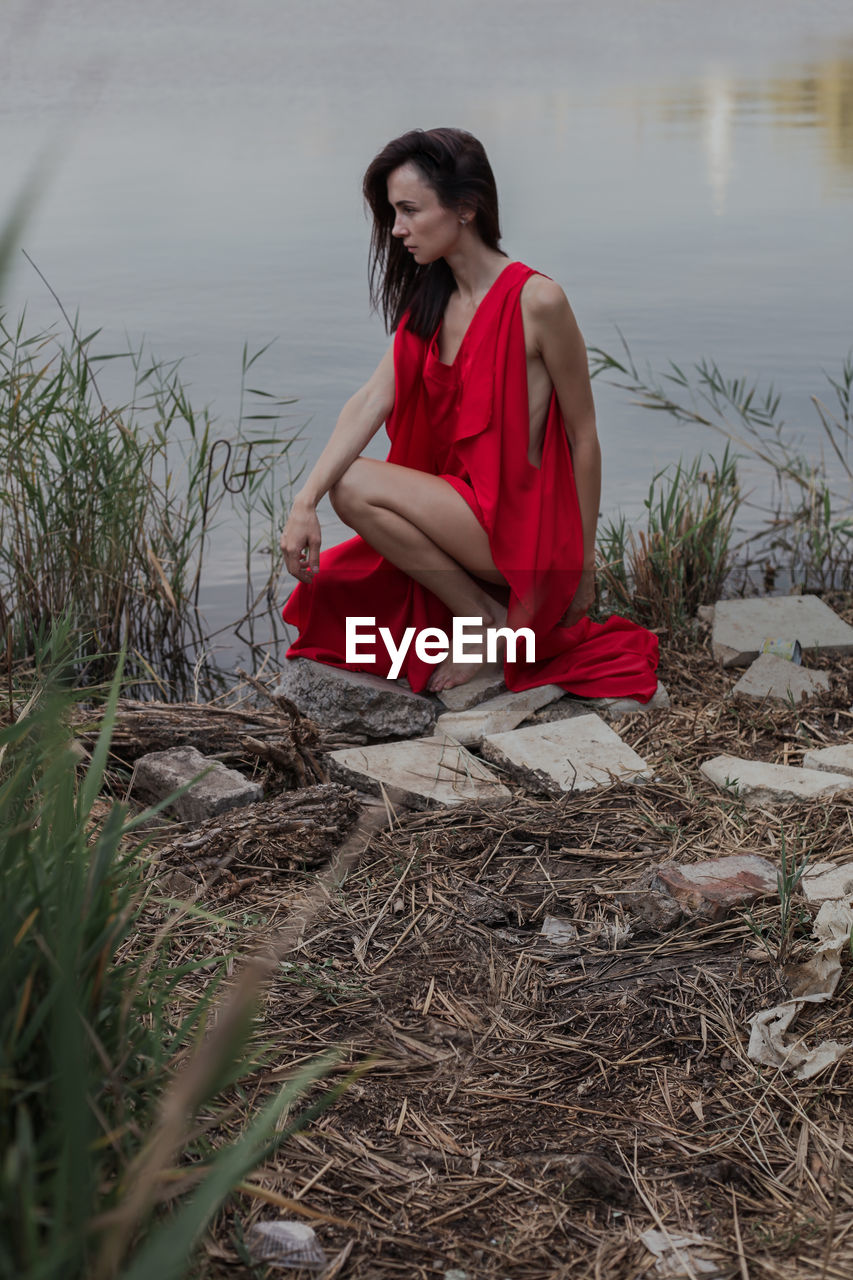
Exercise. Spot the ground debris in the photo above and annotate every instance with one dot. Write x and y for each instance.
(502, 1070)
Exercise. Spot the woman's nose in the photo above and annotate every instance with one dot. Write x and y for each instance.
(398, 228)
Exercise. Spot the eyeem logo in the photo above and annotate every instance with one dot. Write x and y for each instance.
(433, 645)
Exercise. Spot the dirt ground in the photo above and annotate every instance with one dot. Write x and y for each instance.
(524, 1110)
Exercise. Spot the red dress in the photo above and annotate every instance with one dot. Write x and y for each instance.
(469, 422)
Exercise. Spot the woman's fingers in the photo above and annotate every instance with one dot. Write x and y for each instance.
(300, 545)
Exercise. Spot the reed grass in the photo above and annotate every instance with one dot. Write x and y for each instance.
(106, 514)
(90, 1036)
(805, 532)
(660, 575)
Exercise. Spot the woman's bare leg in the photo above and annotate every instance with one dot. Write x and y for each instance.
(423, 526)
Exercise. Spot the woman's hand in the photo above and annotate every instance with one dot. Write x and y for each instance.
(301, 540)
(584, 599)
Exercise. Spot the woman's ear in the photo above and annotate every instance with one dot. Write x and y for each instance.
(467, 213)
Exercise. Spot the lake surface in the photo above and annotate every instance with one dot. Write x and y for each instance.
(685, 171)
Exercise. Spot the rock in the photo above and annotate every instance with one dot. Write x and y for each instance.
(285, 1244)
(705, 613)
(420, 772)
(709, 890)
(497, 715)
(613, 708)
(777, 678)
(650, 904)
(159, 773)
(355, 702)
(559, 931)
(827, 882)
(742, 626)
(760, 783)
(488, 684)
(570, 755)
(831, 759)
(616, 708)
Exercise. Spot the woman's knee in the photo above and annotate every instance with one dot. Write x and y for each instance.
(347, 493)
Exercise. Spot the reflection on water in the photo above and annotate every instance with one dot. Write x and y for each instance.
(819, 96)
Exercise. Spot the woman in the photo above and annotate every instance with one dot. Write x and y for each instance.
(486, 507)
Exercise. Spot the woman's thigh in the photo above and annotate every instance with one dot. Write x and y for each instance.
(428, 502)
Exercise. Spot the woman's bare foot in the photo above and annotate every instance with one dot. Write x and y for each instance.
(448, 674)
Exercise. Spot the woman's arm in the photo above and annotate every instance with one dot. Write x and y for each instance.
(555, 334)
(358, 422)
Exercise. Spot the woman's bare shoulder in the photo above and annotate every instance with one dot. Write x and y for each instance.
(543, 299)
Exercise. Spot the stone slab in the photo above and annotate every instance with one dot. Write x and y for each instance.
(355, 702)
(780, 680)
(420, 772)
(488, 684)
(497, 715)
(570, 755)
(663, 895)
(742, 626)
(613, 708)
(159, 773)
(711, 889)
(760, 783)
(831, 759)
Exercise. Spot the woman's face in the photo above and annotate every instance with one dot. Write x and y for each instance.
(427, 229)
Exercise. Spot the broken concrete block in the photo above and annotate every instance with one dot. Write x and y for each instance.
(419, 772)
(570, 755)
(827, 882)
(760, 783)
(159, 773)
(779, 679)
(831, 759)
(488, 683)
(355, 702)
(613, 708)
(742, 626)
(497, 715)
(707, 890)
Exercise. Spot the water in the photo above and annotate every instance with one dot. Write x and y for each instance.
(684, 171)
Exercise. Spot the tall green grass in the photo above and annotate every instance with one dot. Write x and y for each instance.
(106, 513)
(805, 533)
(661, 574)
(89, 1039)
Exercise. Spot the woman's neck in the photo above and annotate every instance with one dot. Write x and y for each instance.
(475, 269)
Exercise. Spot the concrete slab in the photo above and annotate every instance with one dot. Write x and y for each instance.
(612, 708)
(488, 684)
(779, 680)
(497, 715)
(760, 783)
(159, 773)
(570, 755)
(355, 702)
(420, 772)
(831, 759)
(742, 626)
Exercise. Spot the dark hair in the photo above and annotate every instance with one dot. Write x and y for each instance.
(454, 164)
